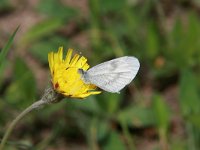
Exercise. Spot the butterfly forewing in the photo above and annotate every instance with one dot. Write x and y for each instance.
(113, 75)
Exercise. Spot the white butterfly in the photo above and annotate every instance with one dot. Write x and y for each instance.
(113, 75)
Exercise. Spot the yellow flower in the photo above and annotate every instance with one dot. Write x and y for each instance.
(65, 76)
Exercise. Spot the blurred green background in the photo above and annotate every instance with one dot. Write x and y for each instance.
(159, 110)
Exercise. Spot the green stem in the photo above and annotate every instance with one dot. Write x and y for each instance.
(127, 134)
(191, 138)
(163, 139)
(18, 118)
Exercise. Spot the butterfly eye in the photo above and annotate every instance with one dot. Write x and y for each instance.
(81, 71)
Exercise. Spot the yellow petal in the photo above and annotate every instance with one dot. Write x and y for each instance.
(74, 60)
(68, 56)
(50, 59)
(81, 62)
(60, 54)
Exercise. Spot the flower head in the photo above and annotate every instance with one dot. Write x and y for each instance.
(65, 76)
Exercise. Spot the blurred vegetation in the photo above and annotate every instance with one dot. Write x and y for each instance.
(159, 110)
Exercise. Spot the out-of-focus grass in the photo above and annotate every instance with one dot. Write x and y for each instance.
(5, 49)
(4, 52)
(168, 47)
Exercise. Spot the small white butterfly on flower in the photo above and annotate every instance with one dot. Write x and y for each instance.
(113, 75)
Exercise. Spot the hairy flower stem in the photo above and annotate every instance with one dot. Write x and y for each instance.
(19, 117)
(50, 96)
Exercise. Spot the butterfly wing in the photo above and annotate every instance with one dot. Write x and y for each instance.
(113, 75)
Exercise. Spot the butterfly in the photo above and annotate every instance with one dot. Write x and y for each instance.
(112, 75)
